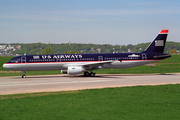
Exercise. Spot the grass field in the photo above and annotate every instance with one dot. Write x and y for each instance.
(138, 103)
(170, 65)
(160, 102)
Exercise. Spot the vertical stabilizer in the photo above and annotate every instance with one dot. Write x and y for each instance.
(159, 43)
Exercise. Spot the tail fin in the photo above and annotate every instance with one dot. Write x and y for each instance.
(159, 43)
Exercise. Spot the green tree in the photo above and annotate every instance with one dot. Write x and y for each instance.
(47, 50)
(73, 52)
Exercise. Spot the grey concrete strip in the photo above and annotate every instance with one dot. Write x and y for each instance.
(49, 83)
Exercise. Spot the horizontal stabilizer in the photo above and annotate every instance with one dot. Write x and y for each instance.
(161, 56)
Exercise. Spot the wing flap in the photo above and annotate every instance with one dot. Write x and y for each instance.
(90, 65)
(96, 65)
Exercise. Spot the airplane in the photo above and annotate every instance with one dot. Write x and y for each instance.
(74, 64)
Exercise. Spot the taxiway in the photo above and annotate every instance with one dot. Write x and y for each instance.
(49, 83)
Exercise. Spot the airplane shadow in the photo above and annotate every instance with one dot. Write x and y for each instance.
(66, 76)
(165, 74)
(82, 76)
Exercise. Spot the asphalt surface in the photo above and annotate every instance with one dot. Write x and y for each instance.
(49, 83)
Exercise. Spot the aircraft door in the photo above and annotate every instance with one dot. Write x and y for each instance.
(100, 58)
(58, 59)
(23, 59)
(144, 56)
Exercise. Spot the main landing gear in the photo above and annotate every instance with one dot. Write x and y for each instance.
(24, 74)
(87, 74)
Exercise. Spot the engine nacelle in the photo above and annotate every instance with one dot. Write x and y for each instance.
(73, 70)
(64, 72)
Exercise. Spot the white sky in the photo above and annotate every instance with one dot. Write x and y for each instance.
(88, 21)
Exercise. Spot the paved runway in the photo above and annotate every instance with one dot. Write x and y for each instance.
(47, 83)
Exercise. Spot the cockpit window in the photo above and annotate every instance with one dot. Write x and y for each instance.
(15, 60)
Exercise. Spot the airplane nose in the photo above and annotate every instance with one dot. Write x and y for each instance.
(5, 66)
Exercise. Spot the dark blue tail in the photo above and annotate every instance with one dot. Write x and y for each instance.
(158, 44)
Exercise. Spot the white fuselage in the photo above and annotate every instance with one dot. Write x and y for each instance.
(64, 65)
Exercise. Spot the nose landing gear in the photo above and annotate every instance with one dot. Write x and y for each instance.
(24, 74)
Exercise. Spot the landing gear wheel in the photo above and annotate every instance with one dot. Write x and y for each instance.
(92, 74)
(86, 74)
(23, 76)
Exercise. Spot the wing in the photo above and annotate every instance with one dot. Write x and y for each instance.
(96, 65)
(90, 65)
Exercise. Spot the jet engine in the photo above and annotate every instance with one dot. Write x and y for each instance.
(72, 70)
